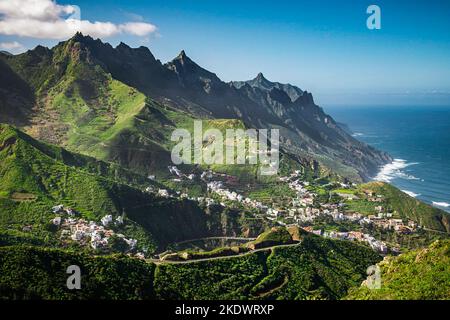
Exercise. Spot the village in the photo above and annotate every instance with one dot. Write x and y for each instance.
(303, 211)
(92, 234)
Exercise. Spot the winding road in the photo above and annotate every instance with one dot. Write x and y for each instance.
(159, 262)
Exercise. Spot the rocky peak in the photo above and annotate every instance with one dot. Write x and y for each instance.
(79, 37)
(123, 46)
(182, 55)
(260, 77)
(261, 82)
(183, 59)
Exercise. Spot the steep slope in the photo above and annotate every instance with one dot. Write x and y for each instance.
(262, 83)
(16, 96)
(80, 106)
(90, 94)
(307, 129)
(408, 207)
(40, 273)
(417, 275)
(316, 269)
(34, 177)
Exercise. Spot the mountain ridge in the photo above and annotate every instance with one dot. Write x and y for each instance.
(86, 67)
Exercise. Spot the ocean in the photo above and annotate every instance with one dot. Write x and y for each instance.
(418, 138)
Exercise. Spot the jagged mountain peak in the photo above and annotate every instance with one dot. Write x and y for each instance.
(40, 50)
(123, 45)
(184, 60)
(262, 83)
(182, 55)
(260, 77)
(186, 86)
(79, 36)
(85, 39)
(188, 71)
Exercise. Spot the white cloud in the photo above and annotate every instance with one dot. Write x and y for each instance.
(10, 45)
(137, 28)
(45, 19)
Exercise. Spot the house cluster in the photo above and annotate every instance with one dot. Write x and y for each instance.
(304, 209)
(60, 209)
(89, 232)
(163, 193)
(372, 196)
(300, 211)
(218, 188)
(375, 244)
(292, 176)
(386, 222)
(304, 197)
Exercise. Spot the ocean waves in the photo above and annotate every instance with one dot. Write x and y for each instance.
(418, 134)
(441, 204)
(357, 134)
(394, 170)
(411, 194)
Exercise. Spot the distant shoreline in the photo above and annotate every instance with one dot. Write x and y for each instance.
(416, 136)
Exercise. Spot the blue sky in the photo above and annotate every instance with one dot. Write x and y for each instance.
(321, 46)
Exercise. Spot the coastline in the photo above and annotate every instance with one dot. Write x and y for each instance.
(417, 139)
(393, 171)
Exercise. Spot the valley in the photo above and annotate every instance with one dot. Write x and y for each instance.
(86, 177)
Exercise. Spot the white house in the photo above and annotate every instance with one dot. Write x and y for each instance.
(106, 220)
(58, 208)
(163, 193)
(78, 235)
(56, 221)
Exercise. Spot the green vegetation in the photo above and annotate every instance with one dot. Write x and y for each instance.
(40, 273)
(422, 274)
(54, 176)
(46, 176)
(272, 237)
(268, 192)
(116, 135)
(195, 255)
(409, 208)
(315, 269)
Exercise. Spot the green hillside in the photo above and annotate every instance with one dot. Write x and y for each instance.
(80, 105)
(316, 269)
(34, 177)
(272, 237)
(406, 207)
(40, 273)
(417, 275)
(88, 126)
